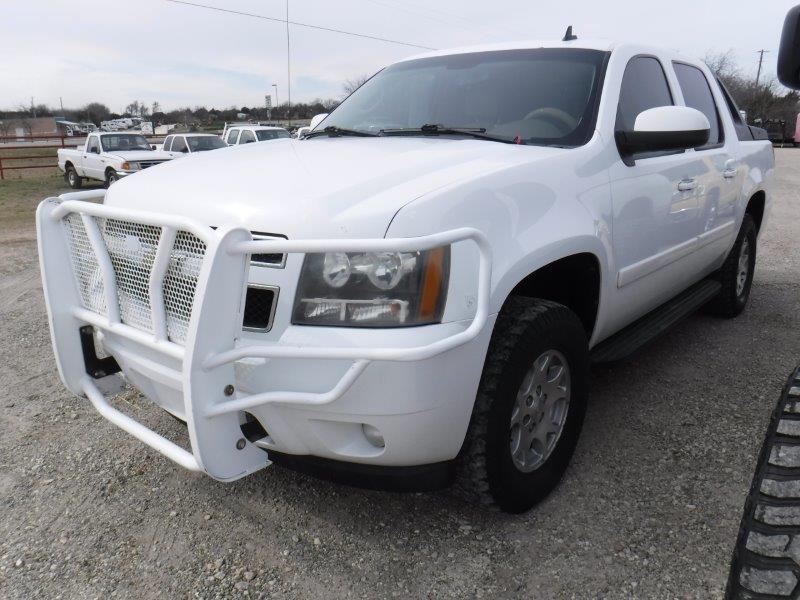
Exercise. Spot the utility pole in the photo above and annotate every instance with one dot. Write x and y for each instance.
(288, 62)
(61, 102)
(760, 60)
(33, 108)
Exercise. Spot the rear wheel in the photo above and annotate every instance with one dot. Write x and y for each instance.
(530, 406)
(736, 274)
(73, 179)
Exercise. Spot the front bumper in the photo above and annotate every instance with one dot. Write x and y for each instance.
(313, 391)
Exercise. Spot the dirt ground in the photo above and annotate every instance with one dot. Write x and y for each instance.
(649, 508)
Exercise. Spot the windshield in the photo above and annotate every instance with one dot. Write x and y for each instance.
(124, 142)
(538, 96)
(271, 134)
(202, 143)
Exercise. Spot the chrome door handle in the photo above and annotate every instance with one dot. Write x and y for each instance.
(687, 185)
(730, 173)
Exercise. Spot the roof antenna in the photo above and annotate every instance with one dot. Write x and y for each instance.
(568, 37)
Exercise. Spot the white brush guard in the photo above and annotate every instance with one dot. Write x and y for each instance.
(174, 289)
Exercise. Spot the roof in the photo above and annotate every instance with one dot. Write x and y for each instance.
(195, 134)
(604, 45)
(255, 127)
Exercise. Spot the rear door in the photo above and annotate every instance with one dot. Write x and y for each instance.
(719, 177)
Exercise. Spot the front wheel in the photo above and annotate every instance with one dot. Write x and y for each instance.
(530, 406)
(736, 274)
(111, 178)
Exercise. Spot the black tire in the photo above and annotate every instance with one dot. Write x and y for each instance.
(732, 300)
(74, 180)
(526, 329)
(764, 558)
(111, 177)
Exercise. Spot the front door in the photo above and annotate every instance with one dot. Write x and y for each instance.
(657, 200)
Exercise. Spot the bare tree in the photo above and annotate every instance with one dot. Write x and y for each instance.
(351, 85)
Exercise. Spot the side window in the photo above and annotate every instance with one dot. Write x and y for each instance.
(247, 137)
(179, 144)
(167, 142)
(697, 94)
(94, 144)
(232, 134)
(742, 130)
(644, 86)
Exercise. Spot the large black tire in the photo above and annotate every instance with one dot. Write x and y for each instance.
(526, 329)
(111, 178)
(74, 180)
(766, 558)
(733, 297)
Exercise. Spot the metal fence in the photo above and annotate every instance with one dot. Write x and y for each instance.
(24, 147)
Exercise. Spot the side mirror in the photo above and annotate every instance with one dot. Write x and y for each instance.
(185, 150)
(153, 147)
(665, 128)
(317, 119)
(95, 150)
(789, 52)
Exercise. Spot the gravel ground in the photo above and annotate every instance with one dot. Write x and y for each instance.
(649, 508)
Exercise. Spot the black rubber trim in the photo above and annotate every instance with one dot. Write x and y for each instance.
(96, 367)
(417, 478)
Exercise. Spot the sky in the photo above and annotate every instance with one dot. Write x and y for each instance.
(115, 51)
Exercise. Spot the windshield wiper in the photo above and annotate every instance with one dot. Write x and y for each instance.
(434, 129)
(334, 131)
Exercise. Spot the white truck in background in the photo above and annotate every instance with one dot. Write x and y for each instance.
(107, 157)
(413, 294)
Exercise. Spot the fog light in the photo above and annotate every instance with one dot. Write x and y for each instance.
(373, 436)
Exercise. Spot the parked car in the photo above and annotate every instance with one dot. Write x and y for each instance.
(247, 134)
(180, 144)
(108, 157)
(474, 228)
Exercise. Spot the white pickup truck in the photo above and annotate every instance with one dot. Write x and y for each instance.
(414, 293)
(108, 157)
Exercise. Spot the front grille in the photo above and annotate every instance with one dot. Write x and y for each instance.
(132, 250)
(259, 308)
(144, 164)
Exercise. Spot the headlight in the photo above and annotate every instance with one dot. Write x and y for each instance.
(372, 289)
(130, 166)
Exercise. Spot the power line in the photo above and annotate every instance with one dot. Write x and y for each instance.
(298, 24)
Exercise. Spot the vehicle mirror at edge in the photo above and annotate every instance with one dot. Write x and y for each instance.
(789, 53)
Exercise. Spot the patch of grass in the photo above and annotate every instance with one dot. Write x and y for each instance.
(19, 198)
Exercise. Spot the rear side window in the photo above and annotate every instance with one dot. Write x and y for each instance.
(167, 143)
(179, 144)
(247, 137)
(232, 134)
(94, 144)
(644, 86)
(697, 94)
(742, 130)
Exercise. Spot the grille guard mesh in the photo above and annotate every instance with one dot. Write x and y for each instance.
(132, 249)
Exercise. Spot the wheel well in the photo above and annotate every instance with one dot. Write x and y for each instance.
(755, 208)
(573, 281)
(67, 165)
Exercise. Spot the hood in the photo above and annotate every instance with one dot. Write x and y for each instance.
(317, 188)
(140, 155)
